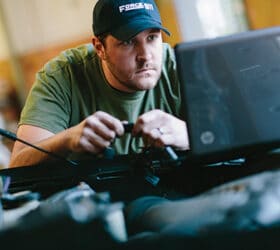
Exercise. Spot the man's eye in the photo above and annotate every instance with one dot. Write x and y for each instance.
(126, 43)
(152, 37)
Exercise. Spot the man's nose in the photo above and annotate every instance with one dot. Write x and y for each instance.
(143, 53)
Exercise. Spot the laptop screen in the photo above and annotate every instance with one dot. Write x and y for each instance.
(231, 93)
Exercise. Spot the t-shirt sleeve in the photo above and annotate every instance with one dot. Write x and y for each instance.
(48, 102)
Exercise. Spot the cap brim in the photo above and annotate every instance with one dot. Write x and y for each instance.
(130, 30)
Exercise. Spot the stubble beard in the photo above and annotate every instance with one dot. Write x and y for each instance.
(132, 84)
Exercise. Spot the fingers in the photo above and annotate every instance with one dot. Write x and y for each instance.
(148, 121)
(150, 126)
(106, 125)
(154, 138)
(159, 129)
(97, 132)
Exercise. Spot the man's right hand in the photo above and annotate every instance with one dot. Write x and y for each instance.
(95, 133)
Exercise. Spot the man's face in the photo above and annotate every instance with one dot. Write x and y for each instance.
(135, 64)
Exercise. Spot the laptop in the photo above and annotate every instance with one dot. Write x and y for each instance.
(231, 94)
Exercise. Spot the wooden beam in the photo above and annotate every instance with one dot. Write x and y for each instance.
(169, 20)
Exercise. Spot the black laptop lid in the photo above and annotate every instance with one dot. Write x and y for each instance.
(231, 93)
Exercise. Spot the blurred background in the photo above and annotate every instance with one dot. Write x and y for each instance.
(33, 31)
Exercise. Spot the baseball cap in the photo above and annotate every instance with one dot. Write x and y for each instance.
(124, 19)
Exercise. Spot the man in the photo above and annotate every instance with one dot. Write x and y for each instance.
(81, 99)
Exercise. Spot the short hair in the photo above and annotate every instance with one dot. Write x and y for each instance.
(102, 38)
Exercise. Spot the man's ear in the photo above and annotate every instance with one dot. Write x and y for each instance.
(99, 47)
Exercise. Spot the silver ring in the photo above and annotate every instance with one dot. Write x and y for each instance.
(160, 131)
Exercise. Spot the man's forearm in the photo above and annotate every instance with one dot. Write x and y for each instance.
(27, 156)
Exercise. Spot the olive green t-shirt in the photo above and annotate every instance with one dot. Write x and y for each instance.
(72, 86)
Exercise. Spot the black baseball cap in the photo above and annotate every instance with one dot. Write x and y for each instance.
(124, 19)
